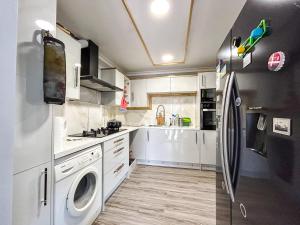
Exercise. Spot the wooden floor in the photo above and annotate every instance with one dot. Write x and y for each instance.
(162, 196)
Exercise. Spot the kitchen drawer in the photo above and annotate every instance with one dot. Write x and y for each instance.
(116, 142)
(114, 176)
(114, 156)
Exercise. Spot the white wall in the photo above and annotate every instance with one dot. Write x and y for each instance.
(8, 44)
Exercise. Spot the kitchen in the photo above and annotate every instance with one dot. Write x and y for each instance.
(150, 112)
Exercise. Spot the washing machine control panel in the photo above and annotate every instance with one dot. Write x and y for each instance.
(78, 162)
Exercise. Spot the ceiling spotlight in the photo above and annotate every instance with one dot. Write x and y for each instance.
(45, 25)
(167, 58)
(160, 7)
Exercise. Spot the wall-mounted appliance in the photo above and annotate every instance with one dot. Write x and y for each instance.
(208, 116)
(89, 69)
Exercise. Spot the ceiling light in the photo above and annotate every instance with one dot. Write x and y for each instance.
(160, 7)
(167, 58)
(45, 25)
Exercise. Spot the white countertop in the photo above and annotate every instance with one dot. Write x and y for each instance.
(73, 145)
(76, 144)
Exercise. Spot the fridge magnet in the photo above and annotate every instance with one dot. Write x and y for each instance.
(276, 61)
(247, 60)
(262, 30)
(282, 126)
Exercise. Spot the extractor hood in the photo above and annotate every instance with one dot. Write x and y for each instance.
(89, 70)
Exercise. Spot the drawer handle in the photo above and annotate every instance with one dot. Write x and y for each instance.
(119, 140)
(119, 168)
(118, 150)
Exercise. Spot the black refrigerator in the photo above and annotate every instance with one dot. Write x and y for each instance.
(258, 114)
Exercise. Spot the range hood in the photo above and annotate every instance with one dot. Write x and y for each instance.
(89, 70)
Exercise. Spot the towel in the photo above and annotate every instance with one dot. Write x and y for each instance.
(123, 105)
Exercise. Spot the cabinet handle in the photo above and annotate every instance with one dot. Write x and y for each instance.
(132, 97)
(45, 174)
(148, 135)
(203, 137)
(119, 140)
(118, 150)
(119, 168)
(196, 137)
(202, 81)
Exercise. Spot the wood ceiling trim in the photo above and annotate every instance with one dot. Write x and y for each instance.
(187, 36)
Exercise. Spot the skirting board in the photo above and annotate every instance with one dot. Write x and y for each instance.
(169, 164)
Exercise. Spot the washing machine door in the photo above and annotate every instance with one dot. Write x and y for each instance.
(83, 192)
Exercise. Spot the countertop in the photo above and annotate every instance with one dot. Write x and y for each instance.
(73, 145)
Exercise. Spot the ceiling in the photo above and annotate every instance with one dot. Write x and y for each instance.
(132, 39)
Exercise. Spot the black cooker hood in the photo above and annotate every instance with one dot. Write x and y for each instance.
(89, 70)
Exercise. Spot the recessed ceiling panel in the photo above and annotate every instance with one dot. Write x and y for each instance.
(163, 27)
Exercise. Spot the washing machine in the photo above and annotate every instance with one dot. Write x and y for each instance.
(78, 188)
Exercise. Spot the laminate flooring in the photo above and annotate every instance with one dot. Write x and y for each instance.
(162, 196)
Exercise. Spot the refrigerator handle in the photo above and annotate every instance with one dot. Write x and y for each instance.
(222, 131)
(225, 135)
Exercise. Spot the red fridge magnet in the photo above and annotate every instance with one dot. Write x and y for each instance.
(276, 61)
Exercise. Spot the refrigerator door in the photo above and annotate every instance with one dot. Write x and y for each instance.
(268, 190)
(223, 202)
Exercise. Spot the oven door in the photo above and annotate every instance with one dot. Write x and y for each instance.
(208, 119)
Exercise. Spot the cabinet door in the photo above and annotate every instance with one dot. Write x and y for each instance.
(208, 147)
(32, 196)
(207, 80)
(173, 145)
(73, 60)
(185, 146)
(184, 83)
(158, 85)
(159, 146)
(138, 139)
(139, 93)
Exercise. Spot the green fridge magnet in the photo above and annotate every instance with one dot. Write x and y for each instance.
(256, 35)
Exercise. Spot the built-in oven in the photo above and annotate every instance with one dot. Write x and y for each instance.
(208, 116)
(208, 120)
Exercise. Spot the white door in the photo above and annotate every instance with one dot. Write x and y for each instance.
(139, 93)
(184, 83)
(207, 80)
(185, 146)
(32, 196)
(159, 146)
(173, 145)
(138, 139)
(208, 147)
(73, 60)
(158, 85)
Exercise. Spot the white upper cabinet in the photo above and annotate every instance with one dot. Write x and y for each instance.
(73, 60)
(113, 76)
(138, 93)
(207, 80)
(184, 83)
(116, 78)
(158, 85)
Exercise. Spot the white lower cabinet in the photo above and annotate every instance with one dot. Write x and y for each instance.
(208, 142)
(172, 145)
(32, 196)
(116, 163)
(138, 140)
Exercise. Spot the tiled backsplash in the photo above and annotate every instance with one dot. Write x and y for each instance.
(185, 106)
(82, 115)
